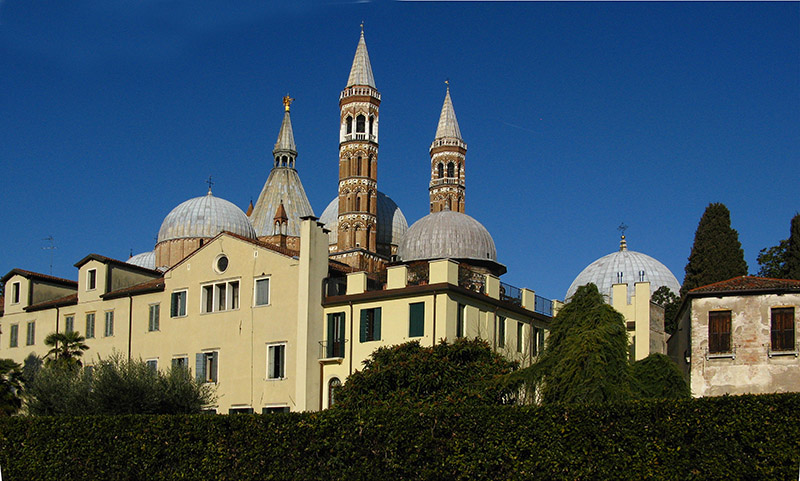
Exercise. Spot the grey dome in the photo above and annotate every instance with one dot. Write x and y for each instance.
(392, 224)
(145, 259)
(205, 217)
(447, 234)
(283, 185)
(603, 273)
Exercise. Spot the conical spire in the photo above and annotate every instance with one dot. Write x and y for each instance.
(361, 71)
(285, 141)
(448, 124)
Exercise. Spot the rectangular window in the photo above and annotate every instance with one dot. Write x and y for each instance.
(416, 319)
(152, 364)
(460, 315)
(30, 339)
(719, 332)
(178, 304)
(91, 279)
(15, 288)
(240, 411)
(370, 325)
(222, 296)
(519, 336)
(262, 292)
(109, 326)
(180, 362)
(90, 325)
(13, 337)
(206, 366)
(276, 360)
(275, 410)
(501, 331)
(535, 346)
(69, 323)
(154, 317)
(335, 344)
(783, 329)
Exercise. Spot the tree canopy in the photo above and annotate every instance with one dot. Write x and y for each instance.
(782, 261)
(466, 372)
(717, 254)
(657, 376)
(66, 349)
(10, 387)
(664, 297)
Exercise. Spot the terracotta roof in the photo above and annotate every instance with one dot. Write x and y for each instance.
(68, 300)
(154, 285)
(42, 277)
(749, 283)
(109, 260)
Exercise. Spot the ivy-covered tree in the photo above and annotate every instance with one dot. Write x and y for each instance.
(466, 372)
(586, 355)
(717, 254)
(664, 297)
(657, 376)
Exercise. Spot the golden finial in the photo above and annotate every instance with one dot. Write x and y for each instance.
(287, 101)
(362, 27)
(447, 82)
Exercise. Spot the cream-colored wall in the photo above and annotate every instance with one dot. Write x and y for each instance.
(84, 293)
(749, 369)
(646, 337)
(24, 293)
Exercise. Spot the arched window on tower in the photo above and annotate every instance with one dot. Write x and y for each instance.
(358, 203)
(371, 122)
(440, 170)
(360, 121)
(349, 124)
(358, 165)
(451, 169)
(369, 166)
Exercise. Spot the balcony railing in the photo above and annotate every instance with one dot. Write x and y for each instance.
(470, 279)
(510, 294)
(359, 136)
(332, 349)
(543, 306)
(334, 286)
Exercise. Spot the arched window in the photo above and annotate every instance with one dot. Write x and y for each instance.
(440, 170)
(369, 166)
(371, 122)
(451, 170)
(358, 165)
(333, 386)
(349, 123)
(358, 203)
(360, 121)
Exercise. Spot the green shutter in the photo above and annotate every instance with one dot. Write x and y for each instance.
(363, 327)
(331, 333)
(416, 319)
(377, 326)
(200, 367)
(341, 329)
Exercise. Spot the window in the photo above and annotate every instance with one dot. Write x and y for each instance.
(349, 125)
(370, 325)
(262, 292)
(222, 263)
(90, 325)
(91, 279)
(180, 362)
(275, 409)
(152, 364)
(538, 340)
(416, 319)
(14, 335)
(15, 288)
(460, 315)
(206, 366)
(719, 332)
(154, 317)
(335, 345)
(519, 336)
(31, 335)
(501, 332)
(178, 304)
(333, 386)
(360, 123)
(371, 123)
(440, 170)
(783, 329)
(240, 411)
(222, 296)
(69, 323)
(276, 361)
(451, 169)
(109, 326)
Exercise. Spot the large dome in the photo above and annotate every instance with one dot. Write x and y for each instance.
(392, 224)
(205, 217)
(634, 267)
(447, 234)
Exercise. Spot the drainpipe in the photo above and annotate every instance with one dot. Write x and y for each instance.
(130, 324)
(352, 340)
(434, 319)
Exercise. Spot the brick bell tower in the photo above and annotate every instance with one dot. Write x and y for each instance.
(358, 156)
(448, 153)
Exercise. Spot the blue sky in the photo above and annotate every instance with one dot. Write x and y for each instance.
(578, 117)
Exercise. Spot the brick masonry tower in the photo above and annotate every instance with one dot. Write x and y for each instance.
(448, 152)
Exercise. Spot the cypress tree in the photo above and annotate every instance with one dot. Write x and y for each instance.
(793, 249)
(717, 254)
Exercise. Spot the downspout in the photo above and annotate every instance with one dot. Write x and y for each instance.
(321, 386)
(130, 324)
(352, 340)
(433, 343)
(494, 330)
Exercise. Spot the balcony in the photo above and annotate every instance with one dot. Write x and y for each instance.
(510, 294)
(332, 350)
(543, 306)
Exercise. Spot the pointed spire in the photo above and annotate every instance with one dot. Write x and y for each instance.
(361, 71)
(280, 214)
(448, 124)
(249, 208)
(286, 135)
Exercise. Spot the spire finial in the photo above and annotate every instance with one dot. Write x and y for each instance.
(447, 82)
(287, 101)
(623, 245)
(210, 183)
(362, 27)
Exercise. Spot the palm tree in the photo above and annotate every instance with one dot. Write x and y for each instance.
(66, 349)
(10, 387)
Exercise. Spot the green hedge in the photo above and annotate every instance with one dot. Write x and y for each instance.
(743, 437)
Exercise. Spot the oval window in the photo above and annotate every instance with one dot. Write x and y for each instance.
(222, 263)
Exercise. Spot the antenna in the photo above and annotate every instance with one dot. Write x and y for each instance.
(50, 248)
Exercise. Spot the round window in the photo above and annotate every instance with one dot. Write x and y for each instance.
(222, 263)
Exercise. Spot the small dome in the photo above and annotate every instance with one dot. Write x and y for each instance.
(634, 267)
(447, 234)
(205, 217)
(392, 224)
(145, 259)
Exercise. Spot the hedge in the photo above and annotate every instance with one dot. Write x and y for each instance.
(732, 437)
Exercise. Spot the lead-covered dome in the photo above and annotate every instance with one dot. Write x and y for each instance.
(448, 235)
(392, 224)
(205, 217)
(145, 259)
(633, 267)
